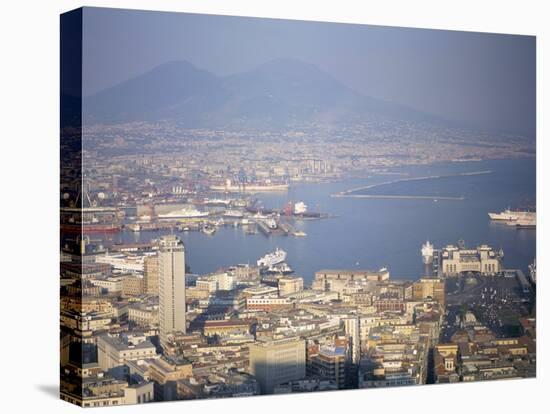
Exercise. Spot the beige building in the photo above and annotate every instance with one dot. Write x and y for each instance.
(337, 280)
(172, 306)
(113, 285)
(151, 275)
(112, 352)
(268, 303)
(289, 285)
(429, 288)
(133, 285)
(276, 362)
(455, 260)
(164, 370)
(139, 393)
(143, 315)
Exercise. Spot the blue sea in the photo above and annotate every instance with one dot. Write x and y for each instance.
(370, 233)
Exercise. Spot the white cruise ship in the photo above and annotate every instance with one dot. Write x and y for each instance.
(183, 213)
(510, 215)
(270, 259)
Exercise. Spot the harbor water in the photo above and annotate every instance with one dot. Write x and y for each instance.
(370, 233)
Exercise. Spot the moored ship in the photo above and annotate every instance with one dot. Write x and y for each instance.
(183, 213)
(270, 259)
(512, 215)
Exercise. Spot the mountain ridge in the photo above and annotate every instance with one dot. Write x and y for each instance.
(279, 93)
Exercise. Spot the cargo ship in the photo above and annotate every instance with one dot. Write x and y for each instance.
(183, 213)
(270, 259)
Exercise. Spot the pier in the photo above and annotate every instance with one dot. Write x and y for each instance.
(405, 197)
(349, 193)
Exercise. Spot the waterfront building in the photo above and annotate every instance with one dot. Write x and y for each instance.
(290, 285)
(172, 306)
(216, 281)
(245, 273)
(455, 260)
(274, 362)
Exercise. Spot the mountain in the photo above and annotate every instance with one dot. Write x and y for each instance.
(173, 90)
(279, 93)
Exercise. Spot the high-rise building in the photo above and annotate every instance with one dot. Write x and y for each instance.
(151, 274)
(274, 362)
(171, 260)
(352, 330)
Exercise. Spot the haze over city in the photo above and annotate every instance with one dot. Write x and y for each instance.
(484, 80)
(254, 206)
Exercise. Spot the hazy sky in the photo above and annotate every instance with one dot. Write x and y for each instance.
(482, 79)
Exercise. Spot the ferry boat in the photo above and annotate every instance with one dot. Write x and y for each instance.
(270, 259)
(511, 215)
(183, 213)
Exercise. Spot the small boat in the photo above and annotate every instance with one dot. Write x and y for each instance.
(209, 230)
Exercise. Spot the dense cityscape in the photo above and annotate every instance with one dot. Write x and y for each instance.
(257, 207)
(139, 326)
